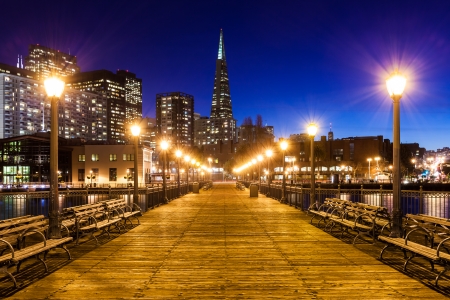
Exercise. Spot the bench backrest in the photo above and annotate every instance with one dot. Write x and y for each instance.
(13, 229)
(429, 221)
(18, 222)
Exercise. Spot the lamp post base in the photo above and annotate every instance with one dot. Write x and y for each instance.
(283, 200)
(397, 219)
(166, 200)
(54, 226)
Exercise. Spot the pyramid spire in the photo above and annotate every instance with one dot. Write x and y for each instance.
(221, 54)
(221, 100)
(222, 125)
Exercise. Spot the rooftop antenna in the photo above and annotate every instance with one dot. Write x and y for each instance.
(330, 127)
(18, 60)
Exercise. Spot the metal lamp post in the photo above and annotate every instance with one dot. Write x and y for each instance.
(269, 155)
(312, 130)
(186, 160)
(178, 155)
(164, 147)
(260, 158)
(210, 170)
(135, 131)
(54, 88)
(283, 146)
(193, 169)
(369, 160)
(395, 85)
(197, 164)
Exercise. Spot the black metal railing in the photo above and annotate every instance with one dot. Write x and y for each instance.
(19, 203)
(432, 203)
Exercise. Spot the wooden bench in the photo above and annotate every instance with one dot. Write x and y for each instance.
(327, 210)
(437, 229)
(17, 256)
(362, 218)
(13, 239)
(11, 229)
(126, 212)
(418, 226)
(91, 218)
(355, 219)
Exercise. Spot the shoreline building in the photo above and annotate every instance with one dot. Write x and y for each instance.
(221, 122)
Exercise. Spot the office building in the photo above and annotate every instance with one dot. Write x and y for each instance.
(123, 92)
(25, 108)
(44, 62)
(175, 117)
(202, 132)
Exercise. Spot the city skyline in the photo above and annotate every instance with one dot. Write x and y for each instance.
(292, 63)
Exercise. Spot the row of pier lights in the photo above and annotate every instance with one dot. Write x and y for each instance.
(54, 87)
(395, 83)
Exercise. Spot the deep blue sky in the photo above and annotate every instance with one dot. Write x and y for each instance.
(290, 61)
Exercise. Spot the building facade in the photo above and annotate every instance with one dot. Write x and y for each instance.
(26, 159)
(25, 108)
(113, 165)
(202, 132)
(123, 92)
(45, 61)
(175, 117)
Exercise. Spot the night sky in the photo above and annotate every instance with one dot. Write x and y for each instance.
(292, 62)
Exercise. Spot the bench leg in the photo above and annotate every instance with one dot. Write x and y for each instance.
(356, 237)
(446, 267)
(4, 269)
(38, 257)
(408, 260)
(382, 251)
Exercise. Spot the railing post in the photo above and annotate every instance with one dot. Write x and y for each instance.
(302, 197)
(362, 194)
(319, 193)
(421, 200)
(339, 191)
(381, 195)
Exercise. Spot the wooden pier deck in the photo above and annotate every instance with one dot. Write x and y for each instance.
(222, 244)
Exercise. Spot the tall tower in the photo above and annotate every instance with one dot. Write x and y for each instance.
(223, 126)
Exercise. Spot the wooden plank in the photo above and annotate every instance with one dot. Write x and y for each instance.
(222, 244)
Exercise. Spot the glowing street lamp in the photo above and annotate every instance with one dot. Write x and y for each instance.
(395, 85)
(54, 88)
(283, 146)
(135, 131)
(312, 131)
(164, 147)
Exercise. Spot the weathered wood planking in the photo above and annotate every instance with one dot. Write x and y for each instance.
(222, 244)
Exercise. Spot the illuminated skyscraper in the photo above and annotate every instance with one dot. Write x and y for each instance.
(124, 93)
(46, 61)
(175, 117)
(222, 123)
